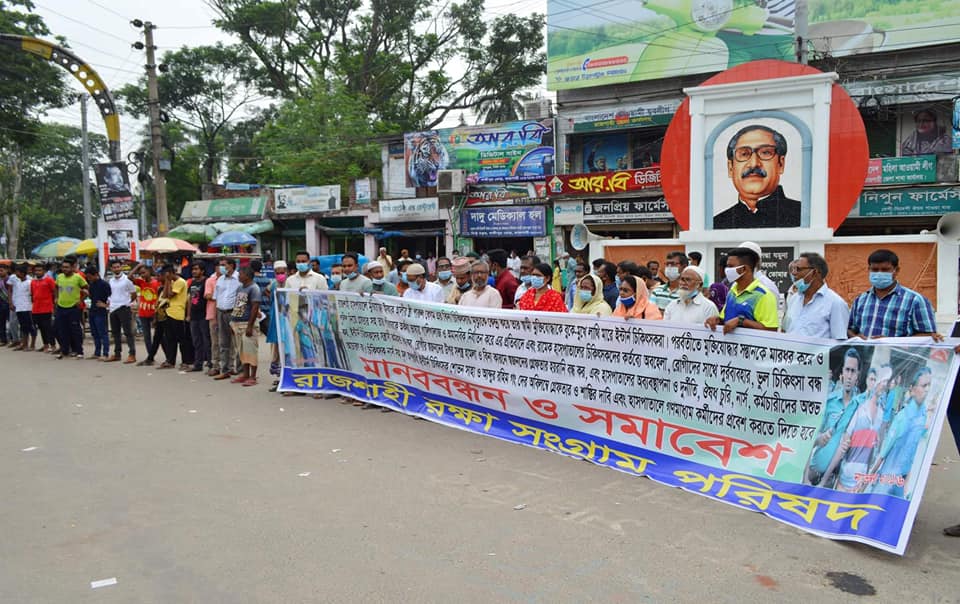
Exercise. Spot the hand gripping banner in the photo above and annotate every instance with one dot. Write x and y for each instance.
(833, 438)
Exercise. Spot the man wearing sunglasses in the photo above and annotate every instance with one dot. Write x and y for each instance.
(755, 160)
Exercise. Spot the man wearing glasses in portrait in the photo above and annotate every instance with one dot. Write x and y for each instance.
(755, 161)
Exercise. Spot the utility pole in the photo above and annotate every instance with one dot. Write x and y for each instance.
(801, 30)
(85, 153)
(163, 221)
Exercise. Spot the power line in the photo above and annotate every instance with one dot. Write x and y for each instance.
(84, 23)
(109, 10)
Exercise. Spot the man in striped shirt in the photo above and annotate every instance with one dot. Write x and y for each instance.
(888, 309)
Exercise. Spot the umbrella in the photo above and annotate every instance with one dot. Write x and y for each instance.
(57, 247)
(84, 248)
(233, 238)
(166, 245)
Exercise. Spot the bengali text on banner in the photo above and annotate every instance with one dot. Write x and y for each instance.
(833, 438)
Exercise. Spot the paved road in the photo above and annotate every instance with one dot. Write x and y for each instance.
(187, 490)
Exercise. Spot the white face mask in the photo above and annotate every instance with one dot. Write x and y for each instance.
(732, 273)
(672, 273)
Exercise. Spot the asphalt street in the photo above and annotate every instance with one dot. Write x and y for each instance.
(188, 490)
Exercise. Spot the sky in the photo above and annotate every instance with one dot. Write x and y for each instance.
(100, 33)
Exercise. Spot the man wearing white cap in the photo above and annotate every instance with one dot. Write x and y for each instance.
(691, 306)
(759, 274)
(420, 288)
(378, 283)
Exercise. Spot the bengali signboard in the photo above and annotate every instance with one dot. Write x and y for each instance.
(513, 221)
(752, 419)
(419, 209)
(902, 170)
(306, 200)
(639, 116)
(506, 193)
(593, 183)
(509, 152)
(113, 186)
(623, 41)
(625, 211)
(914, 201)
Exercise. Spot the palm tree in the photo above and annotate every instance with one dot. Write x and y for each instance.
(506, 108)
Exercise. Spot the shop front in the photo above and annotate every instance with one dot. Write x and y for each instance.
(517, 227)
(201, 221)
(417, 225)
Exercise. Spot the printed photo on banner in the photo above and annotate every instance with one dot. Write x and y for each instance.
(757, 174)
(119, 240)
(309, 331)
(878, 418)
(606, 153)
(113, 186)
(926, 130)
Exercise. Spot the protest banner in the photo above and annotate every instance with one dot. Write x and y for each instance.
(113, 186)
(833, 438)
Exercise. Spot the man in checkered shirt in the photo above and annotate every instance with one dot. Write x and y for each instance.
(888, 309)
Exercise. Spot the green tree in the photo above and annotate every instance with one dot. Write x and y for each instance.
(204, 88)
(184, 179)
(28, 87)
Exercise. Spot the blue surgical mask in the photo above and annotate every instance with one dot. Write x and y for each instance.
(617, 281)
(378, 281)
(353, 275)
(585, 296)
(403, 277)
(802, 286)
(525, 279)
(444, 275)
(336, 279)
(223, 269)
(414, 285)
(881, 280)
(536, 282)
(303, 266)
(628, 302)
(465, 286)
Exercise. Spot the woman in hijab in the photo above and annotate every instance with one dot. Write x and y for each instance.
(634, 301)
(541, 296)
(589, 297)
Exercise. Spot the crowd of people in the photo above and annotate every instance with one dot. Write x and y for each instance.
(212, 322)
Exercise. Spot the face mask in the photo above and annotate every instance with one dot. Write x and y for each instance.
(672, 273)
(403, 277)
(732, 273)
(418, 256)
(536, 282)
(525, 279)
(353, 275)
(585, 296)
(802, 286)
(628, 302)
(378, 281)
(415, 286)
(464, 287)
(303, 266)
(881, 280)
(444, 275)
(281, 278)
(223, 270)
(617, 281)
(336, 279)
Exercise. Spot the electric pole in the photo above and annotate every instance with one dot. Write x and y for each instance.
(85, 154)
(163, 221)
(801, 29)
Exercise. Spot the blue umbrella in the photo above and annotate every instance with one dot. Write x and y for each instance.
(233, 238)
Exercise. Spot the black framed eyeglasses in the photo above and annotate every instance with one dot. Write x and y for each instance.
(764, 152)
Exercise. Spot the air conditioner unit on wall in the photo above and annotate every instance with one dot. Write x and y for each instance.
(451, 181)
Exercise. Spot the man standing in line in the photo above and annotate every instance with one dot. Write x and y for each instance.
(748, 304)
(505, 282)
(526, 267)
(888, 309)
(199, 324)
(122, 294)
(481, 295)
(148, 290)
(378, 284)
(664, 294)
(209, 286)
(815, 310)
(608, 276)
(243, 321)
(22, 303)
(42, 291)
(691, 306)
(579, 272)
(352, 281)
(225, 295)
(420, 288)
(99, 305)
(445, 276)
(71, 289)
(461, 279)
(4, 304)
(174, 329)
(654, 267)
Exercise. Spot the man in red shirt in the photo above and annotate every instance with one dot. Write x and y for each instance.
(42, 289)
(148, 288)
(505, 282)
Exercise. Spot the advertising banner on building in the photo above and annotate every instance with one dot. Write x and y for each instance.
(913, 201)
(625, 41)
(113, 186)
(627, 116)
(508, 152)
(363, 191)
(752, 419)
(902, 170)
(306, 200)
(625, 211)
(592, 183)
(419, 209)
(513, 221)
(506, 193)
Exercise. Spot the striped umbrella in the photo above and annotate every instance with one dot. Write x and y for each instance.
(58, 247)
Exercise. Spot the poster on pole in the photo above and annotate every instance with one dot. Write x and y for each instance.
(113, 186)
(831, 437)
(117, 240)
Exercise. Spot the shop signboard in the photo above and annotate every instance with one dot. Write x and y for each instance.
(902, 170)
(306, 200)
(626, 211)
(362, 188)
(636, 116)
(412, 210)
(913, 201)
(506, 193)
(513, 221)
(593, 183)
(234, 209)
(566, 213)
(492, 153)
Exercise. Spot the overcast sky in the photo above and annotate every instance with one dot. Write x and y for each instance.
(99, 32)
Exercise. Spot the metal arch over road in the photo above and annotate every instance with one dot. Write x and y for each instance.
(85, 74)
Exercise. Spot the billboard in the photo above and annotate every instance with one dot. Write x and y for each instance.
(509, 152)
(626, 41)
(113, 187)
(303, 200)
